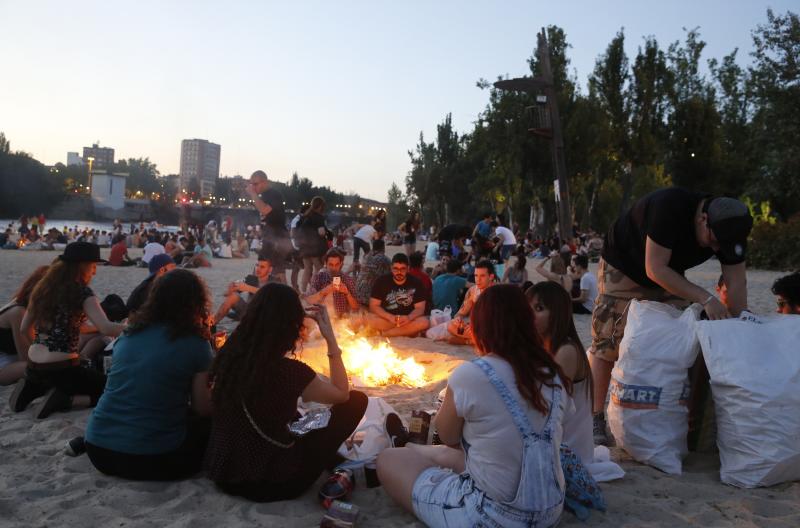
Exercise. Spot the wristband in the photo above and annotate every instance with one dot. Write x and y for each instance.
(707, 301)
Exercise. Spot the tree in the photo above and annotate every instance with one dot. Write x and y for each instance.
(397, 209)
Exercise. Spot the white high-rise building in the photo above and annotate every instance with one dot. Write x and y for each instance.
(74, 158)
(199, 163)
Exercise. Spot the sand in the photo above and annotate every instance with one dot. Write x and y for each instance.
(40, 486)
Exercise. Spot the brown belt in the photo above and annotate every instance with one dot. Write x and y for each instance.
(55, 365)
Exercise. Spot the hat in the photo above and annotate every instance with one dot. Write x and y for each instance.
(730, 221)
(158, 262)
(81, 252)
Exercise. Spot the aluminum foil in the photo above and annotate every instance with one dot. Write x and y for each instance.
(313, 419)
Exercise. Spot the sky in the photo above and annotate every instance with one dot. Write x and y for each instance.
(335, 91)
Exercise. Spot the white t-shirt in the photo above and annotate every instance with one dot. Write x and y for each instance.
(495, 452)
(366, 233)
(589, 282)
(506, 235)
(578, 426)
(151, 250)
(292, 227)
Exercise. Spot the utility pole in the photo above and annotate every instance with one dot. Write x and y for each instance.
(548, 125)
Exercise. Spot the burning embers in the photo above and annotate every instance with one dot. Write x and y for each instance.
(372, 362)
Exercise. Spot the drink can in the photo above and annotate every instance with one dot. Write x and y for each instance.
(107, 360)
(338, 486)
(371, 475)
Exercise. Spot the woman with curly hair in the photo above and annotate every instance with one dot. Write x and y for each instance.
(144, 427)
(553, 321)
(252, 452)
(59, 306)
(504, 411)
(13, 342)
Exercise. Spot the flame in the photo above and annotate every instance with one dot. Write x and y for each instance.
(370, 363)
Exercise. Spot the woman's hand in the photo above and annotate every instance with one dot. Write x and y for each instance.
(319, 313)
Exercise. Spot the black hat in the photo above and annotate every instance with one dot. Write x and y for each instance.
(81, 252)
(730, 221)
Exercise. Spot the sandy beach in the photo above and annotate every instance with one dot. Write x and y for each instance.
(40, 486)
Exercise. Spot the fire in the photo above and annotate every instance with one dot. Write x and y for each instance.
(375, 363)
(380, 365)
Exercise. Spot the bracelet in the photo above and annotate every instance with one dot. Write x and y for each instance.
(707, 300)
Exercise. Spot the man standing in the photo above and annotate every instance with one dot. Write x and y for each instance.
(330, 281)
(584, 303)
(647, 251)
(274, 236)
(397, 305)
(459, 328)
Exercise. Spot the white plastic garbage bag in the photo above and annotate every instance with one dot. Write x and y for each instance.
(755, 380)
(647, 413)
(438, 332)
(441, 316)
(370, 437)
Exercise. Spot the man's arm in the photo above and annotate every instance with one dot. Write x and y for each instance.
(419, 310)
(735, 277)
(466, 306)
(656, 263)
(350, 295)
(376, 308)
(263, 208)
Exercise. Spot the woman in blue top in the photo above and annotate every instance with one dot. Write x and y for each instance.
(504, 410)
(144, 426)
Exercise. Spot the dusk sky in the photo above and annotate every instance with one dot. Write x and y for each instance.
(337, 91)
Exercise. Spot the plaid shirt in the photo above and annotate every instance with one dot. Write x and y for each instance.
(322, 279)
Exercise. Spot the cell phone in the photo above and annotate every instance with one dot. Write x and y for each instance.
(337, 281)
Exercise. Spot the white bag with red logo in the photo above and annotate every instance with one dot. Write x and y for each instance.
(754, 366)
(648, 413)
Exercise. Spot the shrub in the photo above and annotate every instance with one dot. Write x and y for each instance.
(775, 245)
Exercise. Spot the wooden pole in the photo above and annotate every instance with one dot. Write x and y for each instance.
(557, 143)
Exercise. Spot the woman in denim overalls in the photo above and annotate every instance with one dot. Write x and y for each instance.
(477, 485)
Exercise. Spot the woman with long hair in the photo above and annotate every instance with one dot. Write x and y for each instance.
(251, 452)
(552, 317)
(144, 427)
(409, 230)
(313, 244)
(14, 343)
(505, 411)
(516, 275)
(58, 308)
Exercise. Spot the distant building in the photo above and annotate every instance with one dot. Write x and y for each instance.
(200, 164)
(108, 190)
(73, 158)
(103, 156)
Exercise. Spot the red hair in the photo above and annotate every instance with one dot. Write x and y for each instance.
(502, 324)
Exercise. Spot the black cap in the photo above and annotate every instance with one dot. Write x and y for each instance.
(81, 252)
(730, 221)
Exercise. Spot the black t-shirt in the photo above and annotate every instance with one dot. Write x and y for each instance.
(276, 219)
(398, 299)
(667, 217)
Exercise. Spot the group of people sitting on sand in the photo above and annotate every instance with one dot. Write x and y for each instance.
(171, 405)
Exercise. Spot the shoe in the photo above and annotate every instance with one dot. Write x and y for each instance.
(24, 393)
(54, 401)
(75, 447)
(398, 436)
(599, 429)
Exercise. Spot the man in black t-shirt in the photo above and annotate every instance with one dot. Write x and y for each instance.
(397, 302)
(274, 235)
(646, 254)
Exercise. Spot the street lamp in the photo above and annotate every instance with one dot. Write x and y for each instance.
(90, 159)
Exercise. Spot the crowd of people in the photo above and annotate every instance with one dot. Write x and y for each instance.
(174, 403)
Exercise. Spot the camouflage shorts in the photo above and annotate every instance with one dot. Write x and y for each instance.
(610, 314)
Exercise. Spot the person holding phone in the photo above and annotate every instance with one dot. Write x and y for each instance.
(251, 452)
(331, 283)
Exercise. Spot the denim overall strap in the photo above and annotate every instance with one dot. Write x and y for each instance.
(511, 403)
